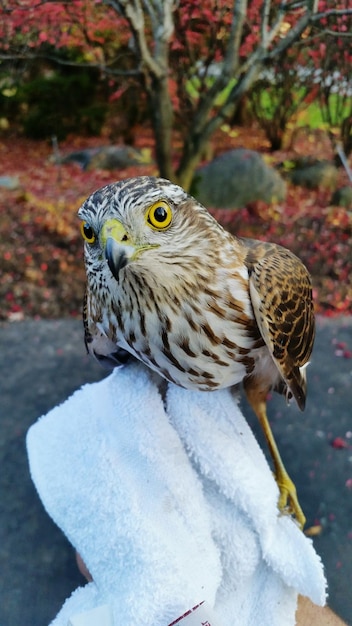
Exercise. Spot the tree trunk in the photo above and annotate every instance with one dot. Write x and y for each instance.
(197, 141)
(162, 121)
(193, 150)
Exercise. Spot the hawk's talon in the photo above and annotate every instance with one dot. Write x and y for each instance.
(288, 502)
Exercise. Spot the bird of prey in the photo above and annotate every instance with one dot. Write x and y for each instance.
(204, 309)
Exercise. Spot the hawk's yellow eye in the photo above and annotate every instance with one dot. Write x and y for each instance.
(88, 233)
(159, 215)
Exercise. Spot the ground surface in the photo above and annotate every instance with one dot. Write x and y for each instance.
(44, 361)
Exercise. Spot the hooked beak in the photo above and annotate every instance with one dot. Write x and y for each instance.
(116, 242)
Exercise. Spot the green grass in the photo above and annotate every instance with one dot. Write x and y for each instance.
(308, 115)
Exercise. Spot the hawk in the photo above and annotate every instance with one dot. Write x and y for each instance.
(204, 309)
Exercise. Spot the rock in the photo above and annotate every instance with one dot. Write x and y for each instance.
(313, 175)
(342, 197)
(82, 157)
(109, 157)
(118, 157)
(9, 182)
(237, 178)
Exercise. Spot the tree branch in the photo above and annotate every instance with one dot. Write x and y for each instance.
(330, 13)
(153, 59)
(160, 14)
(132, 11)
(231, 60)
(25, 56)
(295, 32)
(264, 27)
(229, 68)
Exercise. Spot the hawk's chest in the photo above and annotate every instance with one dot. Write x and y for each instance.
(198, 335)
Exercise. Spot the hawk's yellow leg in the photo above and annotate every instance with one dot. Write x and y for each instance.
(288, 501)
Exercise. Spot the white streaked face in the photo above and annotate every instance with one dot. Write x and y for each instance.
(148, 221)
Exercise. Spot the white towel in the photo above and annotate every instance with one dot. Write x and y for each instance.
(169, 506)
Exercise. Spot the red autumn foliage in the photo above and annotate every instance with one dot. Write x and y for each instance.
(80, 24)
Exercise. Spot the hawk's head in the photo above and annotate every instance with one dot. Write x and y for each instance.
(147, 221)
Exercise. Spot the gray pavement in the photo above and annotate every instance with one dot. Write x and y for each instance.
(43, 362)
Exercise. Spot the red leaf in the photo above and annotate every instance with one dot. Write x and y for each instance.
(339, 443)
